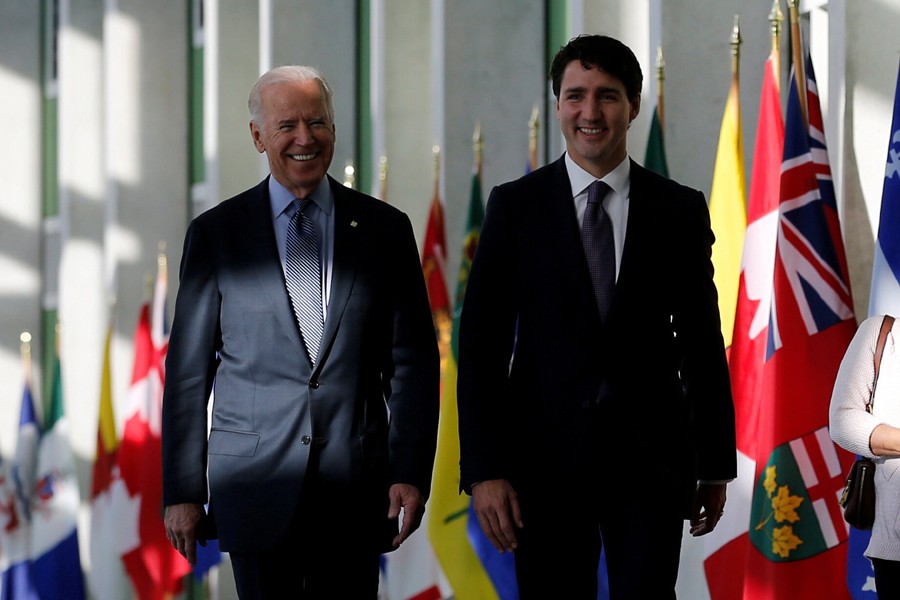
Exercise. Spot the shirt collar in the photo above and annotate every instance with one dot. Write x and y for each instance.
(617, 179)
(280, 198)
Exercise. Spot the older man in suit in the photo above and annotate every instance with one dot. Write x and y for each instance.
(594, 401)
(302, 304)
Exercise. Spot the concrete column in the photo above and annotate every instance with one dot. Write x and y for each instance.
(82, 301)
(493, 72)
(323, 35)
(148, 184)
(233, 48)
(20, 203)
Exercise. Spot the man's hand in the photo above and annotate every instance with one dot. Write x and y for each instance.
(182, 529)
(497, 507)
(709, 507)
(410, 499)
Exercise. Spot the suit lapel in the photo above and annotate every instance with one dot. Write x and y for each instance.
(348, 222)
(262, 252)
(635, 229)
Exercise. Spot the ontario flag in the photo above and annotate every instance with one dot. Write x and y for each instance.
(795, 545)
(154, 566)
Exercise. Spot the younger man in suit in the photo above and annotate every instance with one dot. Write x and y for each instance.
(591, 318)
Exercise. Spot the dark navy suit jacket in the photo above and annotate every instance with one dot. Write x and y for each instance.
(533, 355)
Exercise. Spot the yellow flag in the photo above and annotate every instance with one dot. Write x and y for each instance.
(728, 210)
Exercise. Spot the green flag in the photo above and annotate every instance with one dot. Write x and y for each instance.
(655, 159)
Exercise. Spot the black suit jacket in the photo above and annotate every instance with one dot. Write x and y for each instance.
(234, 330)
(533, 353)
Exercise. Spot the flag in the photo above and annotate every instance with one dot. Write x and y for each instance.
(154, 566)
(884, 298)
(17, 581)
(474, 569)
(412, 572)
(728, 210)
(54, 530)
(112, 508)
(885, 292)
(728, 543)
(797, 535)
(655, 156)
(434, 266)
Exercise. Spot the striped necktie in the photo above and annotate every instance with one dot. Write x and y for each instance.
(303, 275)
(599, 247)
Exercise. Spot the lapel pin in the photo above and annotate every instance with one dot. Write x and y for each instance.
(352, 223)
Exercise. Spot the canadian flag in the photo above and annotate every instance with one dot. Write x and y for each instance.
(154, 566)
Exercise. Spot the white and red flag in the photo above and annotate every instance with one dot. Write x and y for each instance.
(154, 566)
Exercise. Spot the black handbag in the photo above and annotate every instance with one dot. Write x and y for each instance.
(858, 499)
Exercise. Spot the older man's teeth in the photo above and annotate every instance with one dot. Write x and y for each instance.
(590, 131)
(303, 156)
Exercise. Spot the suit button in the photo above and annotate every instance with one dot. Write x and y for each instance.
(305, 440)
(314, 385)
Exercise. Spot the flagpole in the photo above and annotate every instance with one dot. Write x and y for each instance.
(776, 18)
(797, 51)
(660, 77)
(532, 140)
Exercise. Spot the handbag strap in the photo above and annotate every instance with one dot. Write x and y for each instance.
(886, 325)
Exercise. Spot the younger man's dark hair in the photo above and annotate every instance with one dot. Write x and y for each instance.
(601, 51)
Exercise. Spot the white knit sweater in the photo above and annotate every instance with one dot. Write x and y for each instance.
(851, 426)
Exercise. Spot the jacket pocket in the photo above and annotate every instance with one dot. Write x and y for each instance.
(233, 443)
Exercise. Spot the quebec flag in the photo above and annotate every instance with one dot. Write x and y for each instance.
(884, 298)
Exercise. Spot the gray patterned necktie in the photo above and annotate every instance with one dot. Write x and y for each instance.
(303, 275)
(599, 247)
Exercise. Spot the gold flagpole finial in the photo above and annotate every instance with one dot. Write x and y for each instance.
(349, 175)
(660, 79)
(382, 176)
(478, 146)
(436, 150)
(25, 351)
(776, 19)
(735, 44)
(660, 65)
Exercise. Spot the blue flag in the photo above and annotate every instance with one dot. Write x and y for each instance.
(885, 293)
(884, 298)
(18, 497)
